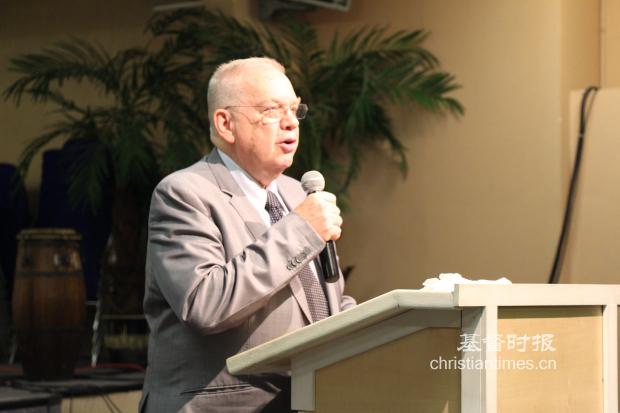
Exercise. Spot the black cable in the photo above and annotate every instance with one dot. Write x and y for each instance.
(107, 404)
(110, 404)
(559, 254)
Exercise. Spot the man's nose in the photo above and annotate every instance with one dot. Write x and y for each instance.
(289, 121)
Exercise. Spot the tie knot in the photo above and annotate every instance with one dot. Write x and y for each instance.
(273, 207)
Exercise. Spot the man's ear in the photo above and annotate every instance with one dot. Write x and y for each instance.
(223, 124)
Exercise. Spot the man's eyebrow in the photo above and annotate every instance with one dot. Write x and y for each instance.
(270, 102)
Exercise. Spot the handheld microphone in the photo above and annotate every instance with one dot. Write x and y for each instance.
(313, 181)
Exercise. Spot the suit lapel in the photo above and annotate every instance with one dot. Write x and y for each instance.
(238, 200)
(291, 194)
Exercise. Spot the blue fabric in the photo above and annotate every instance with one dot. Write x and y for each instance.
(14, 216)
(55, 210)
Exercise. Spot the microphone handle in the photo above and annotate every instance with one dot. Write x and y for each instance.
(329, 262)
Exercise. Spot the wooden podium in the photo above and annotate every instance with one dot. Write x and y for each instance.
(482, 348)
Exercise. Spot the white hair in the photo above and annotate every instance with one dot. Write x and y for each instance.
(224, 88)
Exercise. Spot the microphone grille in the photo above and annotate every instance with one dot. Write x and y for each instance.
(313, 181)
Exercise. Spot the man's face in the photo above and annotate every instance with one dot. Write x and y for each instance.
(264, 149)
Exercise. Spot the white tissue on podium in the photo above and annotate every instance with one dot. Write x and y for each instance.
(446, 282)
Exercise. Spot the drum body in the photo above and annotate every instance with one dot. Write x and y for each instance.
(49, 302)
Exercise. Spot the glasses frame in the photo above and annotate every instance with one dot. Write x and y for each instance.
(282, 111)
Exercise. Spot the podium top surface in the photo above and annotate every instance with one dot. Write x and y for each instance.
(480, 295)
(276, 355)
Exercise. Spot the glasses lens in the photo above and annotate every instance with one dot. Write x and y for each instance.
(302, 111)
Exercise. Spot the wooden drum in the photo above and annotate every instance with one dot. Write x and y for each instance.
(49, 301)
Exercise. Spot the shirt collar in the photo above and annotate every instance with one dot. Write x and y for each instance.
(256, 194)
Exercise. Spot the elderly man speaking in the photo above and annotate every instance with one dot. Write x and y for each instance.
(222, 236)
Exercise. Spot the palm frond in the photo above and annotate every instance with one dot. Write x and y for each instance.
(133, 156)
(74, 59)
(374, 44)
(305, 55)
(89, 174)
(177, 154)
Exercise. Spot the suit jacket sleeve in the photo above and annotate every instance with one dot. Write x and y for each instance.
(187, 258)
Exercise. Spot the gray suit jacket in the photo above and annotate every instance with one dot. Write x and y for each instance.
(218, 282)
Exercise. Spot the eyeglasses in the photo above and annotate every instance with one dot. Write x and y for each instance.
(273, 114)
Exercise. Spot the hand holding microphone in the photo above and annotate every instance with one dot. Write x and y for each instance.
(322, 213)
